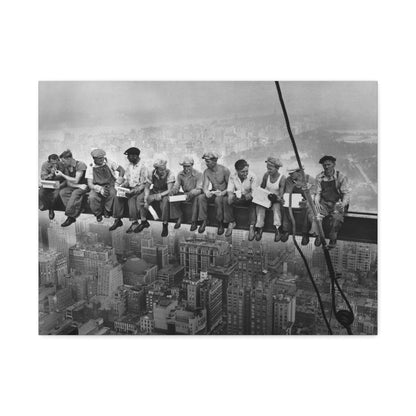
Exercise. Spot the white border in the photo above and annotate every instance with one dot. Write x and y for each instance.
(185, 40)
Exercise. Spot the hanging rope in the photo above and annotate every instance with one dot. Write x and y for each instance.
(343, 316)
(318, 295)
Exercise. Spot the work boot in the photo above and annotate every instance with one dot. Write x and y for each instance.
(194, 226)
(107, 214)
(318, 241)
(68, 222)
(51, 214)
(144, 224)
(230, 228)
(251, 233)
(133, 225)
(220, 230)
(277, 235)
(201, 228)
(117, 223)
(332, 244)
(259, 233)
(178, 223)
(285, 236)
(305, 240)
(99, 218)
(165, 231)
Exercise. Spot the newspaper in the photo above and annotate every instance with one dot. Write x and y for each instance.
(260, 197)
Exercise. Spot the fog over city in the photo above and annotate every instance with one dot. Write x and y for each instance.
(342, 105)
(240, 120)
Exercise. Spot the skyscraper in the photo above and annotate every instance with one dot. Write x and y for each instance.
(211, 301)
(110, 278)
(284, 314)
(199, 255)
(61, 238)
(87, 258)
(261, 309)
(236, 309)
(53, 267)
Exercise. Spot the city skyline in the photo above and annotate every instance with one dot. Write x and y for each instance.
(96, 281)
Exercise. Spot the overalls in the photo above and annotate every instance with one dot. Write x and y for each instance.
(329, 197)
(102, 176)
(160, 185)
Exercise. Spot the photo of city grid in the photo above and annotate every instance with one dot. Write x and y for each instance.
(112, 272)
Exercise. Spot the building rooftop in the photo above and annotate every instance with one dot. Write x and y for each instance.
(136, 265)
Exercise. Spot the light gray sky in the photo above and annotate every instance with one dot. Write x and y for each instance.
(91, 103)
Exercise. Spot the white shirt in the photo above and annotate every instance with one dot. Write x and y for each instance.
(245, 187)
(136, 174)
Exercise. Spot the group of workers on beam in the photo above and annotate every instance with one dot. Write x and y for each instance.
(330, 192)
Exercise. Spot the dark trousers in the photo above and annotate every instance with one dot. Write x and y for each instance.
(336, 218)
(306, 216)
(176, 208)
(72, 199)
(47, 198)
(162, 205)
(98, 202)
(222, 208)
(136, 207)
(241, 203)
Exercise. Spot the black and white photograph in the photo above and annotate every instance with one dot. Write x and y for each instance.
(208, 208)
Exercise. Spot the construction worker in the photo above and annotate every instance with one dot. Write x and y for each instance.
(135, 179)
(240, 194)
(294, 184)
(101, 177)
(274, 183)
(72, 195)
(161, 182)
(216, 176)
(332, 198)
(49, 171)
(190, 181)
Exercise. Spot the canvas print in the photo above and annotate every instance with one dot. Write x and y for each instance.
(208, 208)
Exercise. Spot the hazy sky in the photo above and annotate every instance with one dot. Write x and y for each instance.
(90, 103)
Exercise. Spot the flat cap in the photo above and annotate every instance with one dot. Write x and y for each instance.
(210, 155)
(187, 160)
(98, 153)
(132, 151)
(326, 157)
(274, 161)
(159, 163)
(294, 168)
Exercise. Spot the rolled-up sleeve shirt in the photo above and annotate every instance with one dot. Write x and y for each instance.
(218, 178)
(170, 176)
(46, 171)
(188, 182)
(245, 187)
(341, 183)
(136, 175)
(112, 165)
